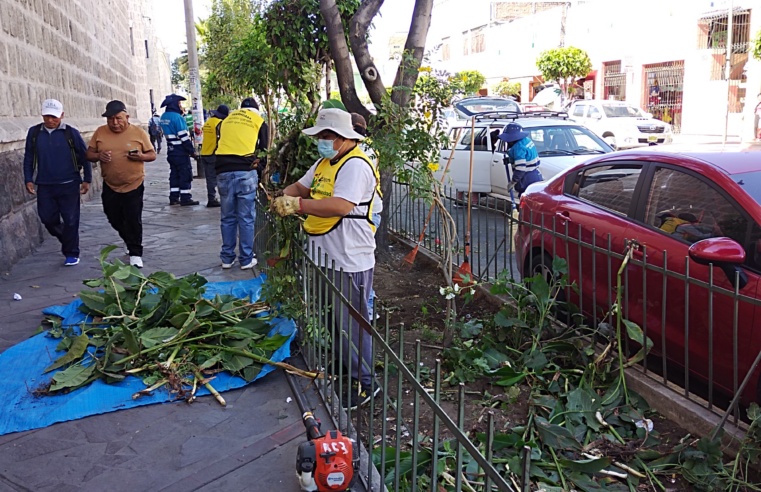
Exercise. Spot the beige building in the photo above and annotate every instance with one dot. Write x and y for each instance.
(83, 53)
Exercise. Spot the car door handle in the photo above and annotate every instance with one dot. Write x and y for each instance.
(564, 216)
(638, 254)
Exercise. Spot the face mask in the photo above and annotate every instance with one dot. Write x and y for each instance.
(325, 148)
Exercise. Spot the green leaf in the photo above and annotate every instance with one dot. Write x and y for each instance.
(273, 343)
(105, 251)
(64, 344)
(71, 377)
(333, 103)
(156, 336)
(250, 372)
(537, 360)
(509, 376)
(555, 436)
(95, 301)
(78, 347)
(495, 358)
(162, 279)
(129, 341)
(40, 329)
(586, 466)
(235, 363)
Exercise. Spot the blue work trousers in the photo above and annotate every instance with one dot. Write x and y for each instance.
(237, 192)
(58, 208)
(180, 178)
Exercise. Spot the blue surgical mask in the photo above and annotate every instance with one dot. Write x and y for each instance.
(325, 148)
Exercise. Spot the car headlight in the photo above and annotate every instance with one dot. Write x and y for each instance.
(668, 128)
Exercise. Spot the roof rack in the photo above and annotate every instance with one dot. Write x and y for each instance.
(512, 115)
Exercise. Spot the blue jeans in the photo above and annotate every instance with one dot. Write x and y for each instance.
(237, 192)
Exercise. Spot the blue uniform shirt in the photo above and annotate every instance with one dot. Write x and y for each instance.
(523, 155)
(176, 132)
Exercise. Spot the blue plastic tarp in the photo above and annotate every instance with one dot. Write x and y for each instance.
(22, 366)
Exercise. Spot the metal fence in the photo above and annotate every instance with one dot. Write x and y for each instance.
(702, 329)
(388, 427)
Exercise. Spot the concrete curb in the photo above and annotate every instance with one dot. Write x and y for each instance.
(694, 418)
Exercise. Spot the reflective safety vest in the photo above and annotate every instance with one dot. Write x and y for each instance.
(209, 145)
(322, 187)
(238, 133)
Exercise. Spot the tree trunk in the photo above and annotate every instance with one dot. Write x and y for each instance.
(358, 40)
(339, 51)
(406, 76)
(327, 79)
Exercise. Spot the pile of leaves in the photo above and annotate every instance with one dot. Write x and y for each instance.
(160, 328)
(585, 430)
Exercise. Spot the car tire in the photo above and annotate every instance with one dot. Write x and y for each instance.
(611, 140)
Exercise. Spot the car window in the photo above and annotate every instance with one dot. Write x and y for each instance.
(610, 187)
(578, 110)
(480, 142)
(753, 248)
(566, 140)
(592, 112)
(689, 209)
(584, 140)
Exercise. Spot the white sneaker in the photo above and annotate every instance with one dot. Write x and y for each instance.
(136, 261)
(250, 265)
(227, 266)
(126, 250)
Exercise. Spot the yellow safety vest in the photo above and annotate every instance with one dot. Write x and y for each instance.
(239, 132)
(322, 187)
(210, 142)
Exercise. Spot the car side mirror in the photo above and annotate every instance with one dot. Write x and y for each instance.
(598, 116)
(724, 253)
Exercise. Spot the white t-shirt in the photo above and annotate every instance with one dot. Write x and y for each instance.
(352, 244)
(377, 201)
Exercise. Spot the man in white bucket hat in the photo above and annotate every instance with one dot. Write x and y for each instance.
(336, 195)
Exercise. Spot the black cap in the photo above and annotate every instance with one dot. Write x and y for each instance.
(114, 107)
(249, 102)
(221, 112)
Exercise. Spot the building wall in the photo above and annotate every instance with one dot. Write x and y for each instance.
(81, 53)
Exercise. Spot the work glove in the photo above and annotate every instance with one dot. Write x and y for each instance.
(286, 205)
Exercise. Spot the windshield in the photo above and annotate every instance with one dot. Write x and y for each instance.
(469, 107)
(566, 140)
(618, 110)
(751, 183)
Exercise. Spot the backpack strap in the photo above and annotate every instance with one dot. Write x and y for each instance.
(35, 133)
(70, 139)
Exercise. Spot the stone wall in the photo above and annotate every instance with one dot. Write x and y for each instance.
(83, 53)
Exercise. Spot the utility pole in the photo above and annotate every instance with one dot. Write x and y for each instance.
(196, 106)
(728, 67)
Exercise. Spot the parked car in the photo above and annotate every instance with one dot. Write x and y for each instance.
(561, 144)
(482, 104)
(685, 211)
(622, 125)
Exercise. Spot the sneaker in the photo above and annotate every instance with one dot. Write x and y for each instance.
(363, 398)
(213, 204)
(189, 203)
(227, 266)
(71, 261)
(173, 202)
(126, 250)
(250, 265)
(136, 261)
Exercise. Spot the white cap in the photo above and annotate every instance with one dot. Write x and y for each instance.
(52, 107)
(337, 121)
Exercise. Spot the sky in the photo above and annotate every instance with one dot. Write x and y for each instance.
(169, 21)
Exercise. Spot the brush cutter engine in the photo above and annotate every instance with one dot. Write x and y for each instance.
(326, 463)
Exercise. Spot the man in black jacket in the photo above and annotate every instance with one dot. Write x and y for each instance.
(56, 153)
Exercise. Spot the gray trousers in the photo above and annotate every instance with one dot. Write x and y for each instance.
(211, 176)
(352, 283)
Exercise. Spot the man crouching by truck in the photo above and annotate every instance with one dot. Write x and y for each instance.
(336, 195)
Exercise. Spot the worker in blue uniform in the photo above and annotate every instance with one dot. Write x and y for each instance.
(522, 158)
(180, 150)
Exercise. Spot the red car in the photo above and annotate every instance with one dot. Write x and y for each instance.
(686, 211)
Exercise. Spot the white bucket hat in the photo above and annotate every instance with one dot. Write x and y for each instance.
(337, 121)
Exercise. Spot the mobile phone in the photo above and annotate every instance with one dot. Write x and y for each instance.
(132, 152)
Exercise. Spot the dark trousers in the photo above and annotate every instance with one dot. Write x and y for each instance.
(125, 214)
(180, 178)
(211, 176)
(156, 142)
(58, 208)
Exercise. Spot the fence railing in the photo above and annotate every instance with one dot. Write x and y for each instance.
(704, 328)
(389, 425)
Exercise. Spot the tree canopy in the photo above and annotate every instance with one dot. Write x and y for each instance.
(564, 66)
